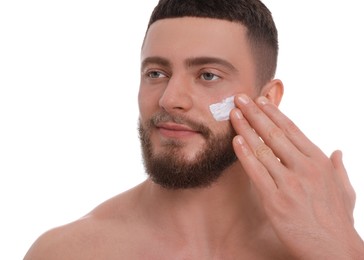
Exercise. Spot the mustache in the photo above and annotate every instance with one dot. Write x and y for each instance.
(164, 117)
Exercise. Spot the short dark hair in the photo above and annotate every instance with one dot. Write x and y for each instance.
(253, 14)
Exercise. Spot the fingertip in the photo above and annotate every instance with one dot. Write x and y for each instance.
(337, 159)
(236, 113)
(239, 140)
(337, 154)
(242, 99)
(241, 147)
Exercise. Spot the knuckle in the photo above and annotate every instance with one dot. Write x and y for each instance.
(291, 128)
(262, 151)
(275, 133)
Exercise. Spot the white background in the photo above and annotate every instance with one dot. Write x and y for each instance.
(69, 77)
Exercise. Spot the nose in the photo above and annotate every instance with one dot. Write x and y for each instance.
(177, 96)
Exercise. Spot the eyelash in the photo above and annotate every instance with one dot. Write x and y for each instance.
(149, 74)
(160, 74)
(210, 74)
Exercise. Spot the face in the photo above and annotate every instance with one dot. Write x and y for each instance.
(188, 64)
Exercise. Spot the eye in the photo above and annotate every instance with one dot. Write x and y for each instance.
(209, 76)
(155, 74)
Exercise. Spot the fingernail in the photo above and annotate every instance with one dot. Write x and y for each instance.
(243, 99)
(238, 114)
(239, 139)
(242, 145)
(262, 100)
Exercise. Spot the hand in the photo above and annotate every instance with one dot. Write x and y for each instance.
(307, 196)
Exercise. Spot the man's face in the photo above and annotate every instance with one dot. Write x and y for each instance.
(188, 64)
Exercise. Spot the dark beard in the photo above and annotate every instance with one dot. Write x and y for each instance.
(171, 170)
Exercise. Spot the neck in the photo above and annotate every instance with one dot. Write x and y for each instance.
(228, 208)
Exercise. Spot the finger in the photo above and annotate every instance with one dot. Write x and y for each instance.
(257, 173)
(290, 129)
(271, 134)
(261, 152)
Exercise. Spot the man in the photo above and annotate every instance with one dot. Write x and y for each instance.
(252, 187)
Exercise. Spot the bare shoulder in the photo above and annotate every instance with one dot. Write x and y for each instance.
(107, 227)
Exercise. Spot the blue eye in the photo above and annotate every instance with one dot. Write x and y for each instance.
(209, 76)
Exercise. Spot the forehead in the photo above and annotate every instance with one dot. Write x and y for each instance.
(182, 38)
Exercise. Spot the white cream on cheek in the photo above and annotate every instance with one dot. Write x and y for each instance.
(221, 110)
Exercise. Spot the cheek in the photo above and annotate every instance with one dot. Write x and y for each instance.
(148, 103)
(224, 128)
(220, 128)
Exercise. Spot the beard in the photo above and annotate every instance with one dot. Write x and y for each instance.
(172, 170)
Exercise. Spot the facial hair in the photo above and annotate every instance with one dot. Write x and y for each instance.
(172, 170)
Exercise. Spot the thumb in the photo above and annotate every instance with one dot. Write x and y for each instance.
(337, 161)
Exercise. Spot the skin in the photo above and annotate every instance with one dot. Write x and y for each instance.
(298, 207)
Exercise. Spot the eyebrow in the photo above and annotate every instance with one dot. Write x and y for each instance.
(155, 60)
(190, 62)
(199, 61)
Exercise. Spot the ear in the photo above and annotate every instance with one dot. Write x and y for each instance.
(273, 90)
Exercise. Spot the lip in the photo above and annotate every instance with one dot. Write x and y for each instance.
(173, 130)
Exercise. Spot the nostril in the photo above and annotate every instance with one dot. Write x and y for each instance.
(170, 104)
(175, 98)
